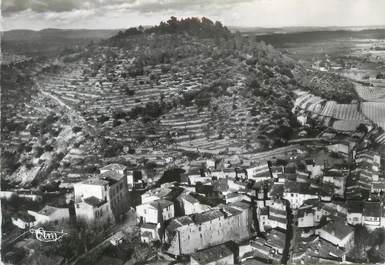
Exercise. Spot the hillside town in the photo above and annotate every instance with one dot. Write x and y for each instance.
(185, 143)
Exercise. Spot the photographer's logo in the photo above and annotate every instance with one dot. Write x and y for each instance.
(47, 236)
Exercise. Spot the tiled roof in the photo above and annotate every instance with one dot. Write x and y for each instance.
(211, 254)
(207, 216)
(161, 203)
(338, 228)
(372, 209)
(93, 201)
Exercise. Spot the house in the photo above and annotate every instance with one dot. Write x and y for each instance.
(338, 233)
(258, 250)
(317, 250)
(314, 168)
(93, 210)
(378, 186)
(156, 194)
(210, 163)
(341, 148)
(149, 232)
(259, 172)
(372, 158)
(372, 214)
(276, 240)
(190, 205)
(220, 254)
(355, 209)
(24, 221)
(298, 192)
(118, 168)
(51, 214)
(188, 234)
(155, 212)
(272, 216)
(337, 178)
(311, 212)
(196, 175)
(102, 198)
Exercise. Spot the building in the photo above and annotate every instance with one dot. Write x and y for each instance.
(51, 214)
(190, 205)
(272, 216)
(338, 233)
(372, 214)
(259, 172)
(355, 209)
(149, 232)
(156, 194)
(155, 212)
(24, 221)
(102, 198)
(276, 240)
(298, 192)
(220, 254)
(188, 234)
(337, 178)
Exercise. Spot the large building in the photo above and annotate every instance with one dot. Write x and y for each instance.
(188, 234)
(102, 198)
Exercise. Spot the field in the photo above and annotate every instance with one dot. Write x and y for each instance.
(345, 117)
(375, 111)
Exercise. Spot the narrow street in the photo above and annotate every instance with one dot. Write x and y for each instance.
(289, 235)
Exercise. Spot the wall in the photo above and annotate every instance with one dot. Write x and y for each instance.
(148, 213)
(194, 237)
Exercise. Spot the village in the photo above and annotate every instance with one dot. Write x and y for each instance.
(199, 146)
(292, 206)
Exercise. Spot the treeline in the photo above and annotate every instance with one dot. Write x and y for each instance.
(203, 28)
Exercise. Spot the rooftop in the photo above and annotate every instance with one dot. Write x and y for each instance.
(93, 201)
(207, 216)
(162, 204)
(338, 228)
(48, 210)
(211, 254)
(114, 167)
(372, 208)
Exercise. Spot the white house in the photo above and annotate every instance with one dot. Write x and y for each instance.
(190, 204)
(149, 232)
(156, 211)
(51, 214)
(298, 192)
(354, 215)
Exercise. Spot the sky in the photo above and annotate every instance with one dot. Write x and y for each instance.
(118, 14)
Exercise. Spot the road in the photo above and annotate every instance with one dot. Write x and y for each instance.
(76, 118)
(129, 227)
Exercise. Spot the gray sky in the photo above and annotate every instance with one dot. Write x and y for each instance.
(38, 14)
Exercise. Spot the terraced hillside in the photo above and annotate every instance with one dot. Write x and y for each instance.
(154, 95)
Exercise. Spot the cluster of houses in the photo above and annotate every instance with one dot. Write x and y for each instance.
(223, 211)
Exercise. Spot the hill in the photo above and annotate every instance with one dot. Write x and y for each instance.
(187, 86)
